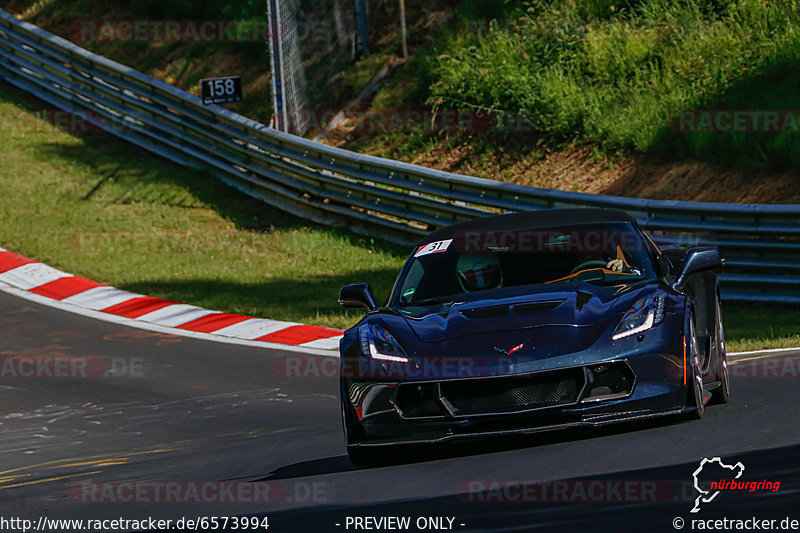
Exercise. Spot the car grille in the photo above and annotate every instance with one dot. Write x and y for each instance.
(511, 394)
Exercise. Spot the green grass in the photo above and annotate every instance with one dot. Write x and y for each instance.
(753, 327)
(616, 74)
(100, 208)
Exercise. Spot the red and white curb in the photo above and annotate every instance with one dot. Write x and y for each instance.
(44, 284)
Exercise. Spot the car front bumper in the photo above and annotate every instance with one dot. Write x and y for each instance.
(564, 392)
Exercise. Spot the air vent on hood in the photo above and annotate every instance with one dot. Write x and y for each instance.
(502, 311)
(492, 311)
(535, 307)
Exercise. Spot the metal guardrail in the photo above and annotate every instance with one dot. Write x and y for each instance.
(397, 201)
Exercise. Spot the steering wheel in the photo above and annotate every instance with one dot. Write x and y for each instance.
(592, 263)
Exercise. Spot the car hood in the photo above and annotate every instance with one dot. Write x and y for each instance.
(551, 321)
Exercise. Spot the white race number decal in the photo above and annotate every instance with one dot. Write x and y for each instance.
(433, 248)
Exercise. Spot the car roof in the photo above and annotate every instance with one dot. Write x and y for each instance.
(531, 220)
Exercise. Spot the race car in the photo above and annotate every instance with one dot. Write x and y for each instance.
(528, 322)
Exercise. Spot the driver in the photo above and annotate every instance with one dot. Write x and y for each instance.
(620, 264)
(479, 271)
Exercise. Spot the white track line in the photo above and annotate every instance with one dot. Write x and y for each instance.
(766, 351)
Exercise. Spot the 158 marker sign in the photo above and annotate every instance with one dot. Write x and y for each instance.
(222, 90)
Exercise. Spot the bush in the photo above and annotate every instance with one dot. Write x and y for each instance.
(618, 73)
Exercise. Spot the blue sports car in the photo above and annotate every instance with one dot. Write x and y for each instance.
(528, 322)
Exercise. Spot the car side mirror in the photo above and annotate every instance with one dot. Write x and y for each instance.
(698, 260)
(358, 295)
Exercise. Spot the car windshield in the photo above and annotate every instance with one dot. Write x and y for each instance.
(441, 271)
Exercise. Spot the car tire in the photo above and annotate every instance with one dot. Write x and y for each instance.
(721, 394)
(695, 390)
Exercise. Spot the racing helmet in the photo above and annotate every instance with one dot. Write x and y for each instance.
(479, 271)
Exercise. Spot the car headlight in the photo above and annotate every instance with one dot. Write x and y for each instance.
(646, 313)
(377, 343)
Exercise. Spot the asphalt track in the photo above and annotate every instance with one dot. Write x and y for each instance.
(152, 408)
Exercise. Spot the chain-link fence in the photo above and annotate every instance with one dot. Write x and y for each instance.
(320, 42)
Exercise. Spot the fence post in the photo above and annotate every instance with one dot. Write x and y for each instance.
(276, 65)
(403, 28)
(361, 18)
